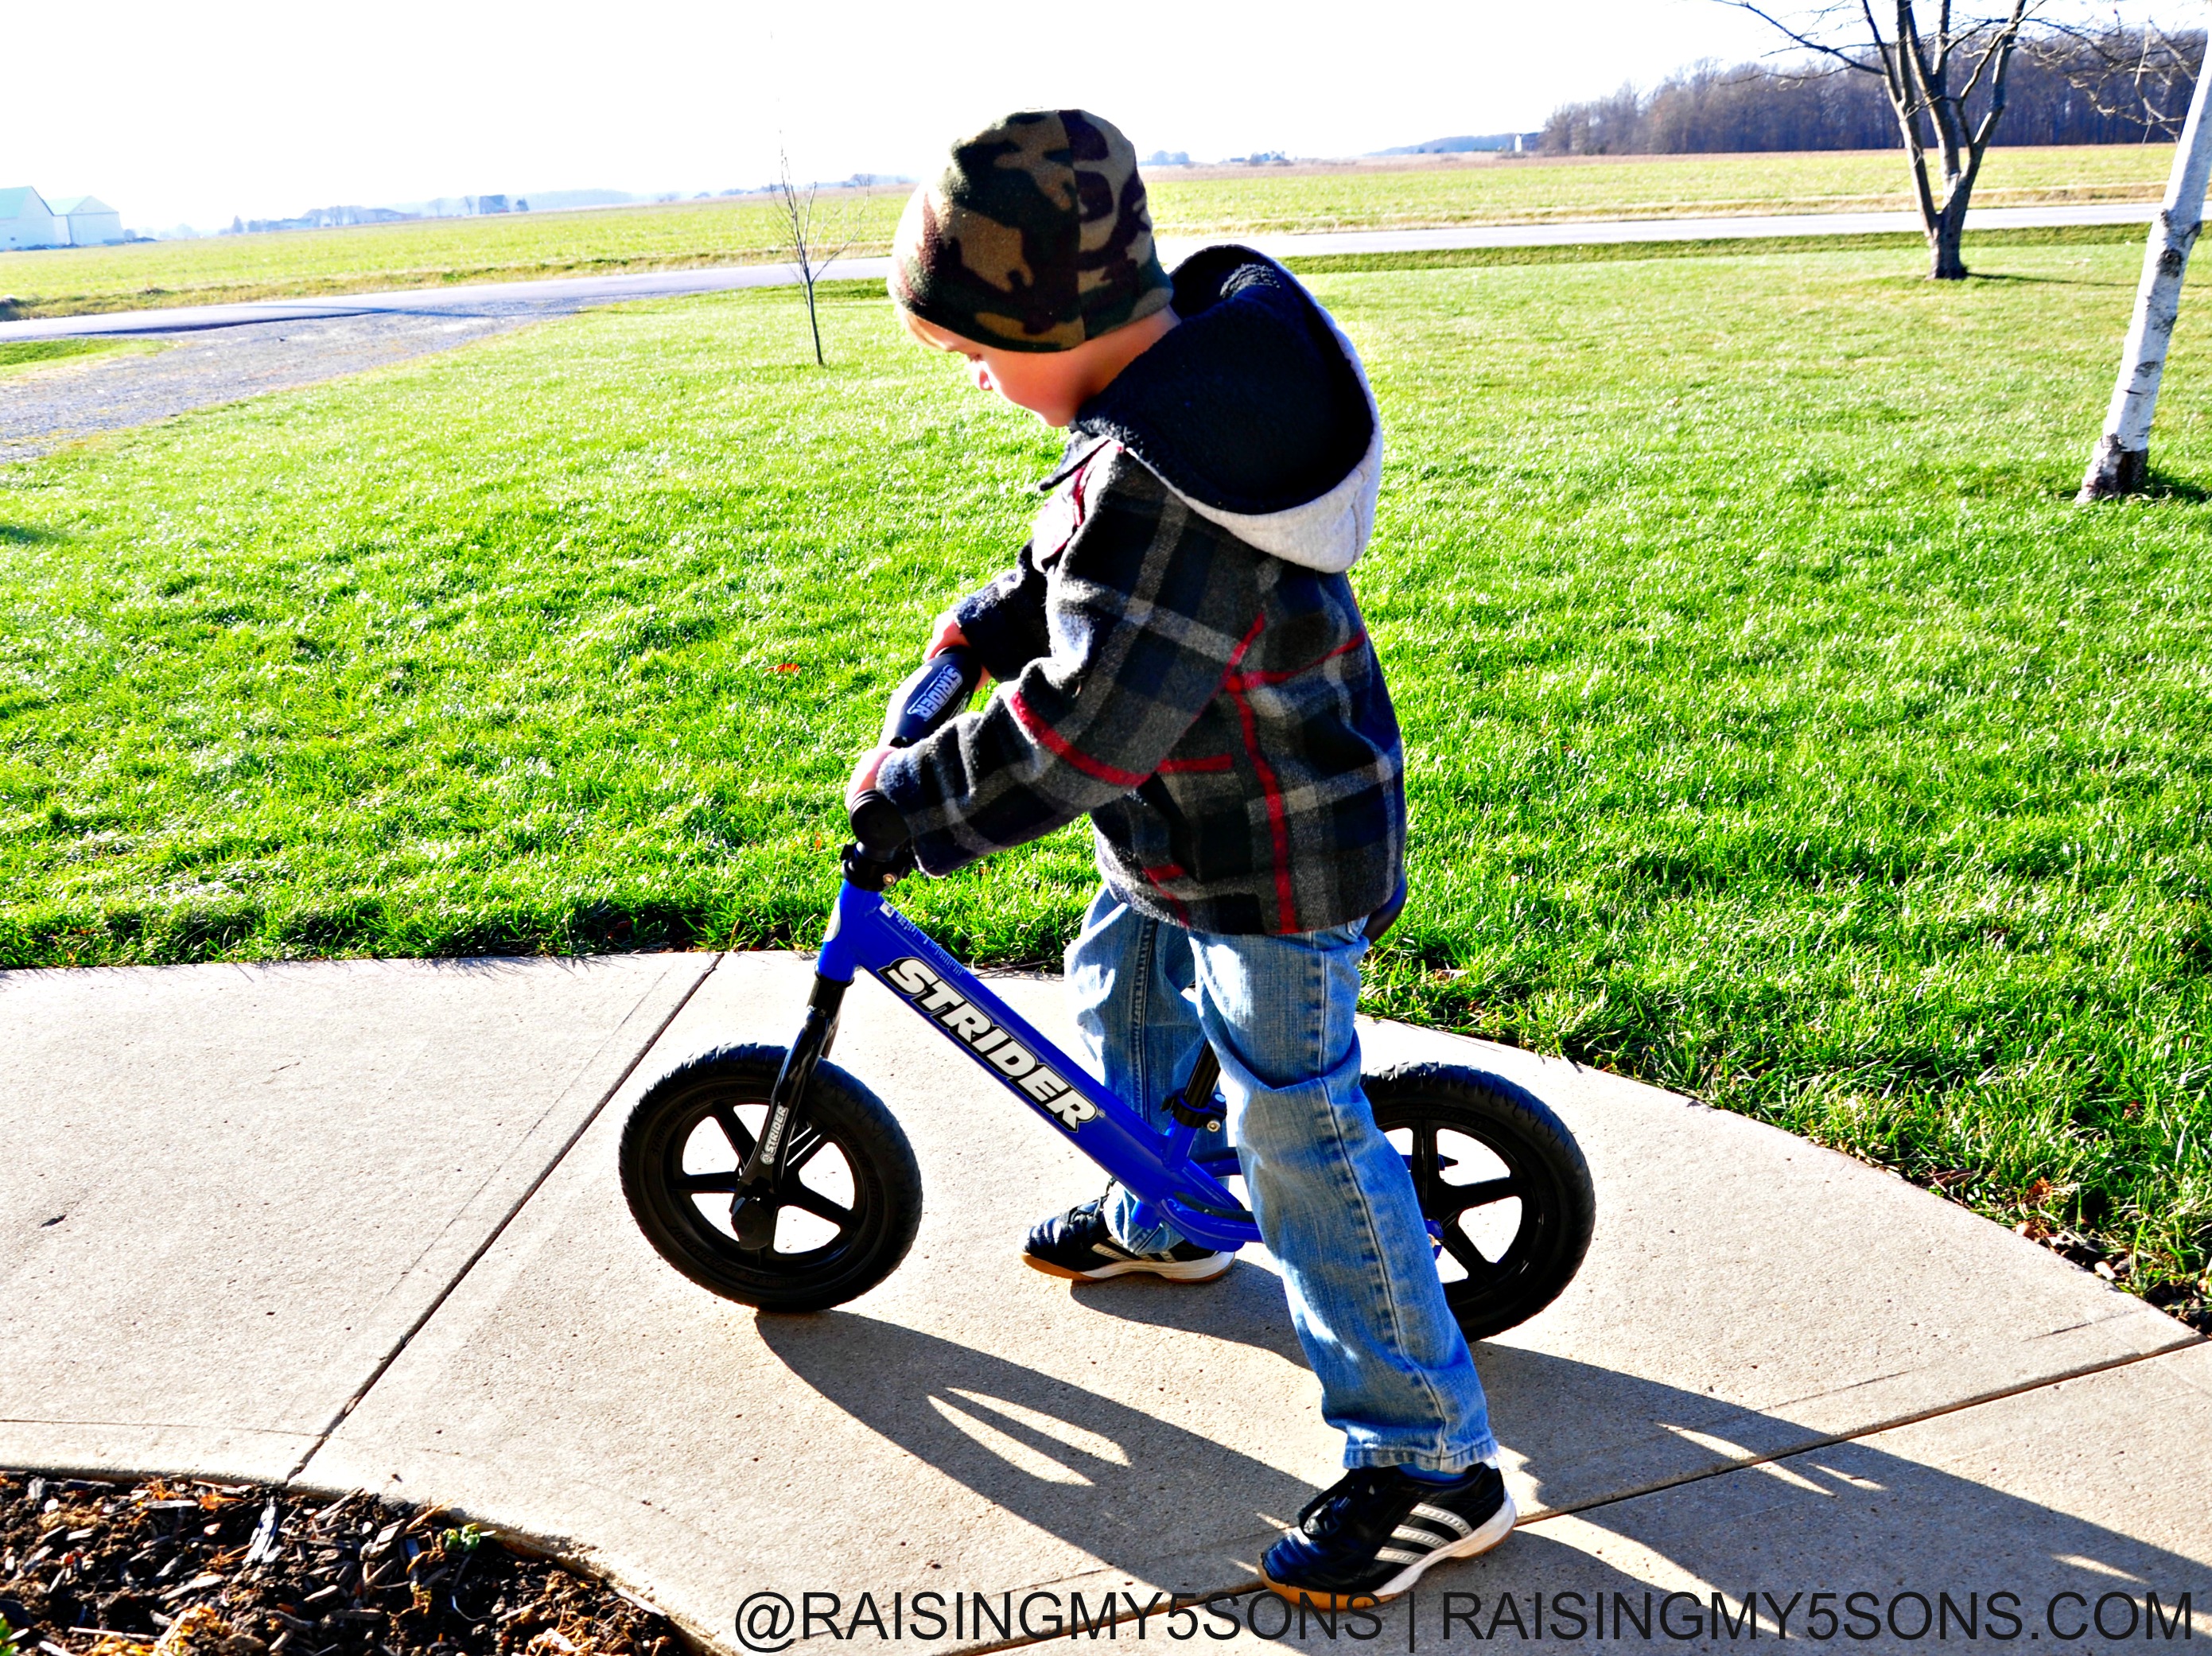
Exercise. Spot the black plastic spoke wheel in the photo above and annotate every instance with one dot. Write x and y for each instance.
(735, 1133)
(703, 1184)
(839, 1219)
(812, 1201)
(1512, 1227)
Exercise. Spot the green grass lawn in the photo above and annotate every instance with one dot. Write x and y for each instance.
(1247, 200)
(22, 356)
(1777, 729)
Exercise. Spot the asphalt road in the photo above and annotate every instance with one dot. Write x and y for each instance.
(217, 354)
(44, 408)
(563, 293)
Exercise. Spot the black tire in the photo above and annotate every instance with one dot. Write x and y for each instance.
(1528, 1263)
(703, 1109)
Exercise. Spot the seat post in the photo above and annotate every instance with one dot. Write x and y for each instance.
(1195, 1105)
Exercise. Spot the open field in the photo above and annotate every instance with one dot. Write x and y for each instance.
(1213, 201)
(1525, 190)
(1778, 732)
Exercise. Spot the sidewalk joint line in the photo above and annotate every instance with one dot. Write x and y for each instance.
(1831, 1439)
(437, 1303)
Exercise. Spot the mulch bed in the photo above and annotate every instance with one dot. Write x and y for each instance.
(183, 1568)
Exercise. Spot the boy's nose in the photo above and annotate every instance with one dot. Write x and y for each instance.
(982, 371)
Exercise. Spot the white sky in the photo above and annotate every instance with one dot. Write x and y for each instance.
(193, 113)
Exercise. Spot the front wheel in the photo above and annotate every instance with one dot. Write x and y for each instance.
(845, 1207)
(1501, 1183)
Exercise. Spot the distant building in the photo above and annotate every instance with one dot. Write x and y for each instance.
(28, 220)
(337, 218)
(25, 221)
(320, 218)
(1511, 144)
(90, 222)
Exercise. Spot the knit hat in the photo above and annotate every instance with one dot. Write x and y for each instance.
(1035, 238)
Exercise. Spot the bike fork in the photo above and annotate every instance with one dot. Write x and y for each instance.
(754, 1221)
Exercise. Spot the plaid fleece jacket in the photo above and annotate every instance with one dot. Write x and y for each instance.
(1217, 711)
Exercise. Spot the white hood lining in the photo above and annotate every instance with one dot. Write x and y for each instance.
(1329, 532)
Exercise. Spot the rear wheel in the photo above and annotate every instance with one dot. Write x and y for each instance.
(1501, 1183)
(845, 1208)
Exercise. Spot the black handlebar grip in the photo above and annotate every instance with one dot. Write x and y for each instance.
(933, 694)
(878, 828)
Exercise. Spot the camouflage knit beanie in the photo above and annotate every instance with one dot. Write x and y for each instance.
(1035, 238)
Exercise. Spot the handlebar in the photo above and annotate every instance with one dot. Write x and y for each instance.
(932, 695)
(931, 698)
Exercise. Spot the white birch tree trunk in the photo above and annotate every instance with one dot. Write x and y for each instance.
(2121, 464)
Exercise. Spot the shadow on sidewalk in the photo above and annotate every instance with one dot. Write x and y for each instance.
(1120, 1484)
(1170, 1506)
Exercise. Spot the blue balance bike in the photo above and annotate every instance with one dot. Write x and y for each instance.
(771, 1177)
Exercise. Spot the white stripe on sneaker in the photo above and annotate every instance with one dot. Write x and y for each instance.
(1498, 1526)
(1428, 1538)
(1457, 1525)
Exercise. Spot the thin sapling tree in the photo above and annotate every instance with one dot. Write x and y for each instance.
(815, 240)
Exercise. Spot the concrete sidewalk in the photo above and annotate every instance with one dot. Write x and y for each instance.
(358, 1224)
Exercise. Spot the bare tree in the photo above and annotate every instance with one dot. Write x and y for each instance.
(808, 235)
(2136, 76)
(1934, 77)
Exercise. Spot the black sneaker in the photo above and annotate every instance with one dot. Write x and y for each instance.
(1077, 1245)
(1369, 1536)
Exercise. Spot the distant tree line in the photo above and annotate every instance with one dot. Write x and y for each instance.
(2122, 85)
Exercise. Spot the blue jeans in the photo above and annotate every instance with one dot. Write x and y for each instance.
(1332, 1195)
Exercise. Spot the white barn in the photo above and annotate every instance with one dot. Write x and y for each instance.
(88, 221)
(25, 221)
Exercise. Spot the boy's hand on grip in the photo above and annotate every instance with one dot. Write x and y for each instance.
(864, 774)
(931, 695)
(944, 634)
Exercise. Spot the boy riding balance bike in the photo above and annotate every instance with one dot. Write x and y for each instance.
(1180, 657)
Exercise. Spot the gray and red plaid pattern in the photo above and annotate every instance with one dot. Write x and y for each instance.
(1218, 712)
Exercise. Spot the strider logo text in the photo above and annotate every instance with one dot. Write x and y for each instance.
(990, 1043)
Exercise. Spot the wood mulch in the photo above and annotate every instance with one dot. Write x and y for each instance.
(182, 1568)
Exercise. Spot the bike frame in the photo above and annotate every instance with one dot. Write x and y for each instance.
(1176, 1176)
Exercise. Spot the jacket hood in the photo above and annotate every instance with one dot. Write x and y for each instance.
(1254, 410)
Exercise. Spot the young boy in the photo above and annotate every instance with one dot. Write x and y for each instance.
(1180, 658)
